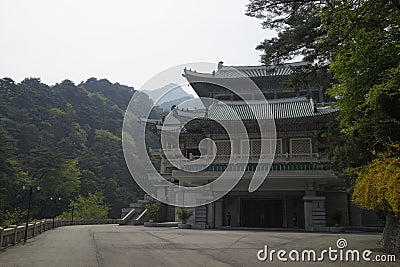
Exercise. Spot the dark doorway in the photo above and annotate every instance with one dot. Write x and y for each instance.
(261, 213)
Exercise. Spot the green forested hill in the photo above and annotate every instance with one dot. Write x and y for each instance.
(65, 138)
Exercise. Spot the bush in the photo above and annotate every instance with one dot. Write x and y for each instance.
(152, 210)
(184, 215)
(91, 207)
(14, 217)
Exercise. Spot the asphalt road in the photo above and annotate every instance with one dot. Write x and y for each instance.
(112, 245)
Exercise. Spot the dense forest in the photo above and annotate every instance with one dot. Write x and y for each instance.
(66, 139)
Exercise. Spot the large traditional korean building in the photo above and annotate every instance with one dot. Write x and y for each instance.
(301, 191)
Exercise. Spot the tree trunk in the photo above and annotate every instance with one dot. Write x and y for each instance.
(391, 234)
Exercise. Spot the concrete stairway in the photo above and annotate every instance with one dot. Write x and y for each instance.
(200, 215)
(136, 213)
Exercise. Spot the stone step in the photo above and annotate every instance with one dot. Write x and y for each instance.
(318, 209)
(200, 226)
(200, 216)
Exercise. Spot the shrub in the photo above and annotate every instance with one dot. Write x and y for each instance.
(184, 215)
(152, 210)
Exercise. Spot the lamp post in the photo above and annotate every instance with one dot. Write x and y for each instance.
(55, 199)
(24, 187)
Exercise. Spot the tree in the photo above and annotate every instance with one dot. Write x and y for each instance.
(300, 34)
(301, 26)
(359, 41)
(90, 207)
(65, 138)
(184, 215)
(11, 180)
(105, 160)
(377, 187)
(67, 179)
(152, 210)
(15, 216)
(366, 66)
(298, 25)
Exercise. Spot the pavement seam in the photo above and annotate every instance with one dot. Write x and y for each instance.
(98, 257)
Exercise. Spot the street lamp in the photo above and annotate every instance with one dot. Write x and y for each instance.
(55, 206)
(24, 187)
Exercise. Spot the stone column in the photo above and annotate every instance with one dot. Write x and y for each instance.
(314, 213)
(307, 214)
(219, 220)
(211, 215)
(162, 167)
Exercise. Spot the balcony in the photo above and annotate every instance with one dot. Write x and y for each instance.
(274, 167)
(238, 158)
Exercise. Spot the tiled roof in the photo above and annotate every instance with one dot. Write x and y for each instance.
(191, 113)
(249, 71)
(299, 107)
(286, 108)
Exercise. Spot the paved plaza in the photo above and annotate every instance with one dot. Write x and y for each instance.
(113, 245)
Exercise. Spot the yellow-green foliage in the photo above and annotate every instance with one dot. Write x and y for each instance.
(91, 207)
(152, 209)
(378, 183)
(184, 214)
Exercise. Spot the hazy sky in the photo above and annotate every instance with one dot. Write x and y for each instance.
(125, 41)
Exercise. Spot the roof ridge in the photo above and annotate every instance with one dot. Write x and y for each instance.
(269, 101)
(244, 67)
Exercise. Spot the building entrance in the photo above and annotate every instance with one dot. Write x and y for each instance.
(261, 213)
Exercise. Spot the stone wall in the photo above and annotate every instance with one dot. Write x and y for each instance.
(391, 234)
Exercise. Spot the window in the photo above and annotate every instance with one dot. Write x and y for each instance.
(254, 147)
(300, 146)
(223, 148)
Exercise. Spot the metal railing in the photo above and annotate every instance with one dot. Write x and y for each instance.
(127, 217)
(15, 233)
(237, 158)
(263, 167)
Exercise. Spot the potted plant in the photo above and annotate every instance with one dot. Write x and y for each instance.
(184, 215)
(152, 210)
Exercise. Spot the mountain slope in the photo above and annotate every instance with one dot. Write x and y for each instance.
(168, 93)
(48, 133)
